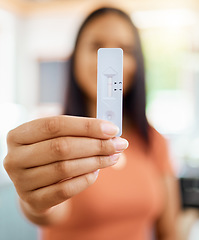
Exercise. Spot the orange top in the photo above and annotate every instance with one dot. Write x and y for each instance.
(124, 202)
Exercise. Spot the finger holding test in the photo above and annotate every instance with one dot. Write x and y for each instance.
(53, 127)
(67, 148)
(52, 195)
(50, 174)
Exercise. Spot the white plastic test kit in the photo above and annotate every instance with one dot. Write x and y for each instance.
(110, 85)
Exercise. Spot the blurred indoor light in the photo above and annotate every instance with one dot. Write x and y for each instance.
(12, 115)
(7, 55)
(171, 112)
(192, 152)
(164, 18)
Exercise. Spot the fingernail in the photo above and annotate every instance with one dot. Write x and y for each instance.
(120, 144)
(109, 128)
(96, 173)
(115, 157)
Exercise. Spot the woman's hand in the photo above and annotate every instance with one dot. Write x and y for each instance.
(52, 159)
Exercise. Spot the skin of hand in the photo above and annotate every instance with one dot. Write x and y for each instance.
(52, 159)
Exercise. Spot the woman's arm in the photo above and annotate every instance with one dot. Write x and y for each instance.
(166, 228)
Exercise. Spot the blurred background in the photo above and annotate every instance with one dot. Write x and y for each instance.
(36, 39)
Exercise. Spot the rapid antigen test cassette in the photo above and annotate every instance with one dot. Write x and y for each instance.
(110, 85)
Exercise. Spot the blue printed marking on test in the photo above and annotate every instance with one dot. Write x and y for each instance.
(110, 85)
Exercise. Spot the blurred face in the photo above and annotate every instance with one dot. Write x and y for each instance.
(107, 31)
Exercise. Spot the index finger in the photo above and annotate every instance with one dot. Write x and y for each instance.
(52, 127)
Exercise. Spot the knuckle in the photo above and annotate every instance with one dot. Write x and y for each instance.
(63, 194)
(88, 126)
(13, 165)
(10, 137)
(100, 161)
(60, 147)
(13, 170)
(8, 163)
(62, 169)
(101, 146)
(89, 179)
(52, 125)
